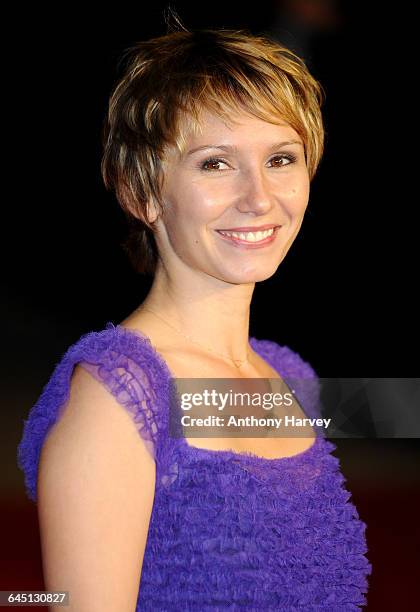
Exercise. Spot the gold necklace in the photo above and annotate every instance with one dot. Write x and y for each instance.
(238, 362)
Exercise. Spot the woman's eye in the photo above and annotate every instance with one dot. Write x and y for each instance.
(289, 160)
(214, 161)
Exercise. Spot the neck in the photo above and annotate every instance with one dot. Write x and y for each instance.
(217, 317)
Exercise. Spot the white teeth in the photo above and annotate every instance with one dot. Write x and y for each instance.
(250, 236)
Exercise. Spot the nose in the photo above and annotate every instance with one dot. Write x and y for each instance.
(255, 193)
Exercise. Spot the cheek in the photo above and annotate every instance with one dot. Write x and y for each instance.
(198, 205)
(188, 212)
(296, 195)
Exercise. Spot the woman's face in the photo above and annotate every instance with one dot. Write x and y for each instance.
(249, 174)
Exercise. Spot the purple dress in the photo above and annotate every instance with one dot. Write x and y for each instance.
(228, 531)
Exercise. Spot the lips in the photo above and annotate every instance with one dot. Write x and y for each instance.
(249, 244)
(260, 228)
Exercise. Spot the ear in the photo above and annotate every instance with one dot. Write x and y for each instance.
(147, 213)
(152, 211)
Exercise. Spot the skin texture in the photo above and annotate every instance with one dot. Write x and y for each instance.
(95, 494)
(200, 277)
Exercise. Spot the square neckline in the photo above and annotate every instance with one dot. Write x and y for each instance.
(246, 456)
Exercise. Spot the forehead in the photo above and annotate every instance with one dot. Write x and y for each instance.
(239, 128)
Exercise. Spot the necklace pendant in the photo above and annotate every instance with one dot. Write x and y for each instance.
(237, 362)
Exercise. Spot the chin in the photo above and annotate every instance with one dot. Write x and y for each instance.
(245, 277)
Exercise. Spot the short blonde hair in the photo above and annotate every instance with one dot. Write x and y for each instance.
(177, 75)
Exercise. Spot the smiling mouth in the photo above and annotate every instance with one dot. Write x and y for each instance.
(259, 237)
(249, 235)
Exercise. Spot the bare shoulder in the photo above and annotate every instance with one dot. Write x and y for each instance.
(96, 486)
(93, 414)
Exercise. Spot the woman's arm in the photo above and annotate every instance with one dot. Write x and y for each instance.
(95, 494)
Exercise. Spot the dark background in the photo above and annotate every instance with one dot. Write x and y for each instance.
(343, 298)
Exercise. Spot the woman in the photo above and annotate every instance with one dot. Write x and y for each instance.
(211, 141)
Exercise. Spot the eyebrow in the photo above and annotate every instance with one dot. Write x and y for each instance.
(232, 148)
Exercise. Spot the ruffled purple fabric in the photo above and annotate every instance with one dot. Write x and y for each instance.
(228, 531)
